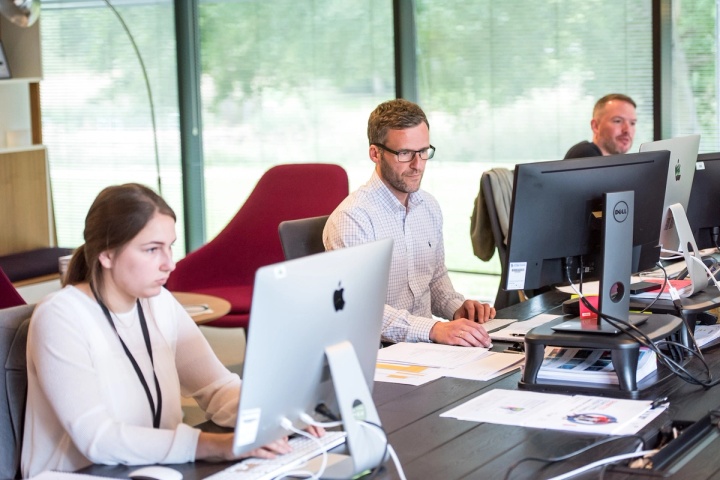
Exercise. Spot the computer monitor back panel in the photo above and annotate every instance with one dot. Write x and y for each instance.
(681, 170)
(554, 215)
(299, 308)
(703, 209)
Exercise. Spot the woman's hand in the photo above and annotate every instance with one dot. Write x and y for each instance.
(216, 447)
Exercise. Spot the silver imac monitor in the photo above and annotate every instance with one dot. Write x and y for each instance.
(681, 170)
(313, 339)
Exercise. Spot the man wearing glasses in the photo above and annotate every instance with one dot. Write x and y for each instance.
(392, 205)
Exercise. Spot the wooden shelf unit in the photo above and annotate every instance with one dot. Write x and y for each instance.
(25, 201)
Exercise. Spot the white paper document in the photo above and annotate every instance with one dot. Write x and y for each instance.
(516, 331)
(430, 354)
(406, 374)
(488, 367)
(578, 413)
(416, 363)
(707, 335)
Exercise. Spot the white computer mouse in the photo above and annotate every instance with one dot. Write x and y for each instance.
(155, 472)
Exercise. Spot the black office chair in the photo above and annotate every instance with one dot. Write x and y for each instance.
(14, 323)
(503, 298)
(302, 237)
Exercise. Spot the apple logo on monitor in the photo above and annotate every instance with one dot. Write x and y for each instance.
(338, 299)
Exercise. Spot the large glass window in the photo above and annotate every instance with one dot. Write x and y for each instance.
(286, 81)
(511, 82)
(97, 121)
(695, 76)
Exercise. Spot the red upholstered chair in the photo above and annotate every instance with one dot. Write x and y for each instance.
(9, 297)
(226, 266)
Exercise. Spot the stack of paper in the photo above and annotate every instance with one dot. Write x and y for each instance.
(589, 365)
(707, 335)
(578, 413)
(419, 363)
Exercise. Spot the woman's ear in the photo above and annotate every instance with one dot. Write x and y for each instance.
(106, 259)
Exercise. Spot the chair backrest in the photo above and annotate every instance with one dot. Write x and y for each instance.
(9, 296)
(493, 217)
(302, 237)
(250, 240)
(14, 324)
(503, 298)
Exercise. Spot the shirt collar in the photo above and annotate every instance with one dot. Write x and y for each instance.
(388, 198)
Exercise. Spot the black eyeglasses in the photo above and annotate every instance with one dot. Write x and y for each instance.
(405, 156)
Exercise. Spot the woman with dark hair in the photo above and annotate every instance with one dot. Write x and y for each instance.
(110, 354)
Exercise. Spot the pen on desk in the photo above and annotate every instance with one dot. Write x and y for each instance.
(658, 402)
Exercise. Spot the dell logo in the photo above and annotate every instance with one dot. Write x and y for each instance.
(620, 212)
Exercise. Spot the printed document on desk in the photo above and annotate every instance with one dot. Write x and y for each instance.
(405, 374)
(590, 365)
(400, 363)
(516, 331)
(577, 413)
(430, 354)
(488, 367)
(707, 335)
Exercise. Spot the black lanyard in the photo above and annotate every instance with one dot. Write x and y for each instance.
(156, 412)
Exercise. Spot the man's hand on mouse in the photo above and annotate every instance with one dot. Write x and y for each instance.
(461, 332)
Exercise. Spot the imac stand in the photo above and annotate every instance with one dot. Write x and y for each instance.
(614, 301)
(677, 223)
(366, 448)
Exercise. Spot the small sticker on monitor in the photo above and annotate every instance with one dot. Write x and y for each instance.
(280, 271)
(516, 275)
(248, 426)
(700, 166)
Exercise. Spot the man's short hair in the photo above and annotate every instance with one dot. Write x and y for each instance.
(397, 114)
(600, 104)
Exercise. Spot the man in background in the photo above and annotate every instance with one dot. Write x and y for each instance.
(613, 127)
(392, 205)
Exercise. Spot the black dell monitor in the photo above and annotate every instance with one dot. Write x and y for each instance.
(556, 220)
(703, 210)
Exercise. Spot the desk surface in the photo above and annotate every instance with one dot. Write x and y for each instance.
(203, 308)
(431, 447)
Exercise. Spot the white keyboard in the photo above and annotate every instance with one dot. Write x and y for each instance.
(303, 449)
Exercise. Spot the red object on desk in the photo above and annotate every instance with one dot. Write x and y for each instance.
(585, 312)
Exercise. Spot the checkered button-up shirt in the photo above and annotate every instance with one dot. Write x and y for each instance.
(419, 285)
